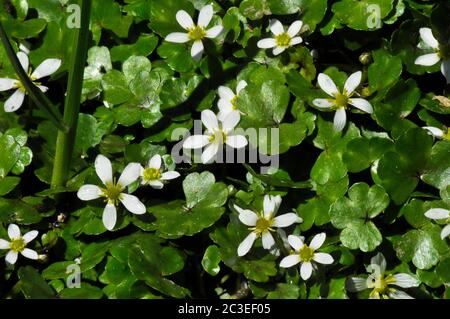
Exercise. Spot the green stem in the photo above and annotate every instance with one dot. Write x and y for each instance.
(66, 140)
(33, 91)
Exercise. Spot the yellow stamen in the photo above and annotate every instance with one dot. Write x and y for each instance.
(196, 33)
(283, 40)
(17, 245)
(151, 174)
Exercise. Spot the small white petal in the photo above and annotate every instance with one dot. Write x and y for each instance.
(225, 106)
(247, 217)
(362, 104)
(340, 118)
(445, 69)
(428, 59)
(231, 121)
(327, 84)
(156, 184)
(197, 50)
(214, 32)
(15, 101)
(445, 232)
(286, 220)
(177, 37)
(210, 152)
(355, 284)
(184, 19)
(276, 27)
(427, 36)
(11, 257)
(169, 175)
(267, 43)
(30, 254)
(240, 86)
(268, 207)
(246, 244)
(296, 40)
(46, 68)
(42, 88)
(236, 141)
(109, 216)
(226, 93)
(379, 261)
(196, 141)
(434, 131)
(276, 203)
(24, 60)
(133, 204)
(155, 162)
(317, 241)
(290, 261)
(323, 258)
(103, 168)
(28, 237)
(4, 244)
(353, 82)
(13, 231)
(267, 240)
(7, 84)
(205, 16)
(397, 294)
(89, 192)
(306, 270)
(130, 174)
(295, 28)
(406, 281)
(323, 103)
(209, 120)
(437, 213)
(278, 50)
(296, 242)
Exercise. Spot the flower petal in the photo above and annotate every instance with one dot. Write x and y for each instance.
(267, 240)
(326, 84)
(306, 270)
(46, 68)
(267, 43)
(286, 220)
(209, 120)
(296, 40)
(177, 37)
(130, 174)
(428, 59)
(210, 152)
(296, 242)
(24, 60)
(380, 261)
(398, 294)
(13, 231)
(246, 216)
(290, 261)
(295, 28)
(246, 244)
(103, 168)
(226, 93)
(323, 103)
(4, 244)
(15, 101)
(427, 36)
(355, 284)
(184, 19)
(276, 27)
(155, 162)
(437, 213)
(340, 118)
(406, 281)
(7, 84)
(133, 204)
(30, 254)
(205, 16)
(196, 141)
(197, 50)
(89, 192)
(268, 206)
(156, 184)
(169, 175)
(240, 86)
(362, 104)
(225, 105)
(11, 257)
(436, 132)
(317, 241)
(214, 32)
(278, 50)
(445, 69)
(42, 88)
(445, 232)
(28, 237)
(353, 82)
(236, 141)
(231, 121)
(323, 258)
(109, 216)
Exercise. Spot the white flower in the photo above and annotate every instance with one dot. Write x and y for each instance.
(18, 244)
(381, 283)
(154, 176)
(306, 255)
(339, 101)
(228, 99)
(262, 224)
(113, 192)
(283, 39)
(196, 32)
(438, 133)
(441, 52)
(440, 213)
(217, 134)
(46, 68)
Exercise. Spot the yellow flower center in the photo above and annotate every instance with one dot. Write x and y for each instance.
(341, 99)
(283, 40)
(151, 174)
(380, 286)
(17, 245)
(196, 33)
(306, 254)
(234, 102)
(218, 137)
(262, 225)
(112, 192)
(19, 85)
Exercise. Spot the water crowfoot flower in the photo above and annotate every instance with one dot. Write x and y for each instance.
(306, 255)
(438, 214)
(196, 32)
(46, 68)
(441, 52)
(113, 191)
(283, 39)
(264, 223)
(217, 134)
(438, 133)
(228, 99)
(381, 283)
(339, 101)
(154, 176)
(18, 244)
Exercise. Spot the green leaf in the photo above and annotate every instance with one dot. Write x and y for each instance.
(437, 170)
(284, 291)
(7, 184)
(32, 285)
(384, 71)
(362, 152)
(162, 15)
(144, 46)
(211, 260)
(85, 291)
